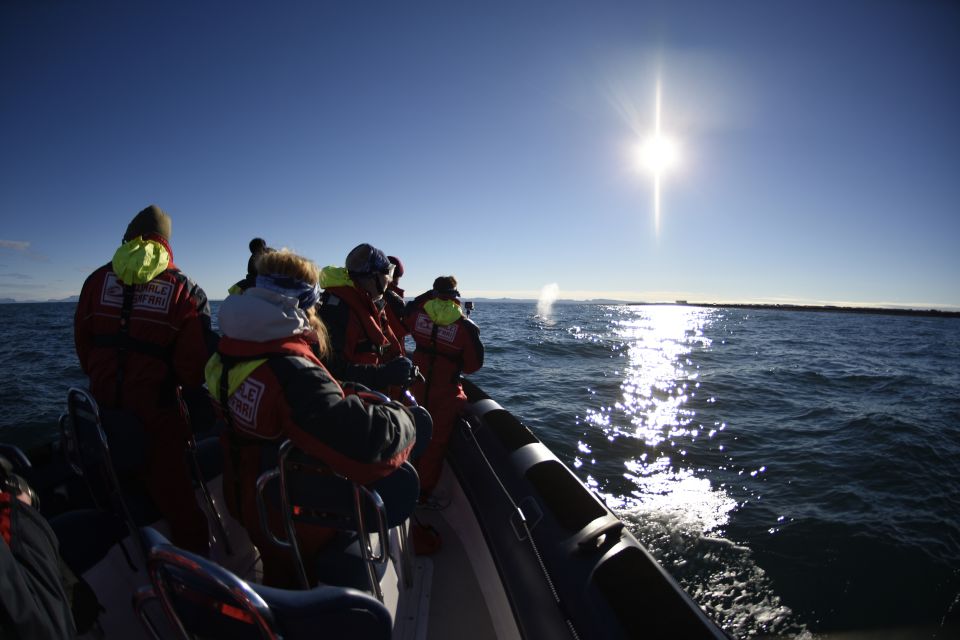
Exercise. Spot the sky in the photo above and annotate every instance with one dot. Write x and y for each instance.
(817, 143)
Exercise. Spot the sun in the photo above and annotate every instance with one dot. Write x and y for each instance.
(658, 153)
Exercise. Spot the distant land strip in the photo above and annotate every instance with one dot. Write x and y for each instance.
(891, 311)
(894, 311)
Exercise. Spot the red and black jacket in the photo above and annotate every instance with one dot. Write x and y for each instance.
(292, 395)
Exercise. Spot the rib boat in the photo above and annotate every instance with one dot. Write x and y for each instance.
(527, 552)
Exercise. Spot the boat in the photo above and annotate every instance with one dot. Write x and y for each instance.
(528, 552)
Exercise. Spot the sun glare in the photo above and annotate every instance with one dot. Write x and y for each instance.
(659, 153)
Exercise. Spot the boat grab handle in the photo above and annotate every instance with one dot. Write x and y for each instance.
(590, 536)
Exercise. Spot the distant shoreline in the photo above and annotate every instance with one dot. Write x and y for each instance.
(894, 311)
(891, 311)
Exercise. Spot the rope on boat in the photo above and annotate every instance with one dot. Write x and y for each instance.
(533, 545)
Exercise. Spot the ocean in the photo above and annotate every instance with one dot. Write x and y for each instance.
(797, 472)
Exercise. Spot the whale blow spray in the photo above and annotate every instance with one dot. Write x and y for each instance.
(548, 295)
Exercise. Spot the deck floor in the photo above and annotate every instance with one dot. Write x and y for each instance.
(459, 603)
(456, 593)
(457, 607)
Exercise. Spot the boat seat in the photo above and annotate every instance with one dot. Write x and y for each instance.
(313, 494)
(17, 458)
(86, 536)
(108, 449)
(87, 448)
(201, 599)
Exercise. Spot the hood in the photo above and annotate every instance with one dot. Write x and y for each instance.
(443, 312)
(335, 277)
(139, 261)
(261, 316)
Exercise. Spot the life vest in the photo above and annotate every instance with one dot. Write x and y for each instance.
(359, 330)
(141, 328)
(448, 343)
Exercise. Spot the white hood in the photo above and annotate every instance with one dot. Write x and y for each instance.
(258, 315)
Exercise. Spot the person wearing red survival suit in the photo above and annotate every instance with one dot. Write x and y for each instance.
(142, 329)
(448, 344)
(268, 366)
(363, 347)
(394, 304)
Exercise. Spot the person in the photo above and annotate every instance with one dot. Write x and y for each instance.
(258, 246)
(448, 345)
(394, 304)
(142, 330)
(363, 347)
(270, 384)
(36, 587)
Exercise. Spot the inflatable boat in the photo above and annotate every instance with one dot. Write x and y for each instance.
(527, 551)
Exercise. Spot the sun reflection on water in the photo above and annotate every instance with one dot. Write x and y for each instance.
(663, 490)
(653, 445)
(657, 382)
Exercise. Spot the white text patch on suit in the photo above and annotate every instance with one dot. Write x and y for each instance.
(245, 401)
(445, 334)
(152, 296)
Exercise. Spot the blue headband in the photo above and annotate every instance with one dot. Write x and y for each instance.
(307, 295)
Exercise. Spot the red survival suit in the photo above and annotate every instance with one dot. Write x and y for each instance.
(165, 344)
(448, 344)
(360, 335)
(278, 389)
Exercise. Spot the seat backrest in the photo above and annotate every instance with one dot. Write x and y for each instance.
(320, 497)
(88, 452)
(328, 499)
(202, 599)
(311, 493)
(19, 461)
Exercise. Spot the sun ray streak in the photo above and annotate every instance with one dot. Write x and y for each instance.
(656, 202)
(656, 175)
(657, 154)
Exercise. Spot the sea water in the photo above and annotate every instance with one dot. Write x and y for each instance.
(797, 472)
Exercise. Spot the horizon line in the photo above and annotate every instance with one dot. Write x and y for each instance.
(633, 299)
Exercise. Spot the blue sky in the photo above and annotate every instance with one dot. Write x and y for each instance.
(819, 143)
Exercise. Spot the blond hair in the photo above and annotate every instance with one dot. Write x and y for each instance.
(287, 263)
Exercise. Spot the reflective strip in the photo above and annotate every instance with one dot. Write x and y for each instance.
(238, 373)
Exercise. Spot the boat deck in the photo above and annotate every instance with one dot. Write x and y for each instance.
(462, 598)
(453, 592)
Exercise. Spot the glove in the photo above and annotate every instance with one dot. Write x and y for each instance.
(424, 426)
(395, 372)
